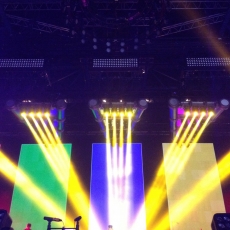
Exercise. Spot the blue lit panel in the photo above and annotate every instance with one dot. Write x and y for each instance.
(117, 193)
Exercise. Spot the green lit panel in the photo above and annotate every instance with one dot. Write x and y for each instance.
(40, 192)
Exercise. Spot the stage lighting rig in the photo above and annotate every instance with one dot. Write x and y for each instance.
(181, 109)
(53, 111)
(108, 110)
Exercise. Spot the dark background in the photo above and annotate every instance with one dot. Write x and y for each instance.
(168, 33)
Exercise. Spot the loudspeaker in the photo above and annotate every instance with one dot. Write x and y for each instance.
(221, 221)
(5, 220)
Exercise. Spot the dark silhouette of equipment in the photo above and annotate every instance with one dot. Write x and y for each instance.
(50, 219)
(5, 220)
(77, 219)
(220, 221)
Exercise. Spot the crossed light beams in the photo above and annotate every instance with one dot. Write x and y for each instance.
(117, 120)
(46, 136)
(37, 118)
(183, 148)
(180, 209)
(9, 169)
(119, 168)
(219, 46)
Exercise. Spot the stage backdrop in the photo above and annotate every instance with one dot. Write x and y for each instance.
(38, 191)
(193, 186)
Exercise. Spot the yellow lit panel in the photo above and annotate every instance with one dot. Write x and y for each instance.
(191, 202)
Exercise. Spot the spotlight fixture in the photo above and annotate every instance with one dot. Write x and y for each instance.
(121, 108)
(94, 43)
(122, 43)
(108, 50)
(56, 112)
(179, 110)
(135, 47)
(122, 49)
(108, 46)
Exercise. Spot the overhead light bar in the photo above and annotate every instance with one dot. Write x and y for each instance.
(178, 110)
(21, 63)
(115, 63)
(208, 62)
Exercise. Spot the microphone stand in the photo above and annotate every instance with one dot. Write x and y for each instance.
(77, 225)
(49, 225)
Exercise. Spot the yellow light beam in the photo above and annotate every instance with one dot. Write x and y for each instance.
(61, 154)
(36, 195)
(194, 129)
(107, 128)
(187, 114)
(156, 194)
(55, 134)
(218, 45)
(41, 144)
(129, 130)
(197, 137)
(76, 191)
(78, 198)
(180, 209)
(51, 155)
(49, 134)
(221, 165)
(77, 195)
(114, 142)
(187, 129)
(182, 157)
(121, 137)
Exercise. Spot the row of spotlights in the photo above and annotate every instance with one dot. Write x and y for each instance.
(116, 114)
(39, 114)
(196, 113)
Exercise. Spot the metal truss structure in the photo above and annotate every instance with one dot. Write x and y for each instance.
(192, 24)
(40, 26)
(93, 21)
(103, 6)
(195, 4)
(32, 6)
(172, 29)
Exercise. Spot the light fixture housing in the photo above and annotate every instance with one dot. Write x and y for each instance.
(178, 110)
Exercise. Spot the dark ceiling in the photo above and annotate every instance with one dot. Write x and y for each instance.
(165, 33)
